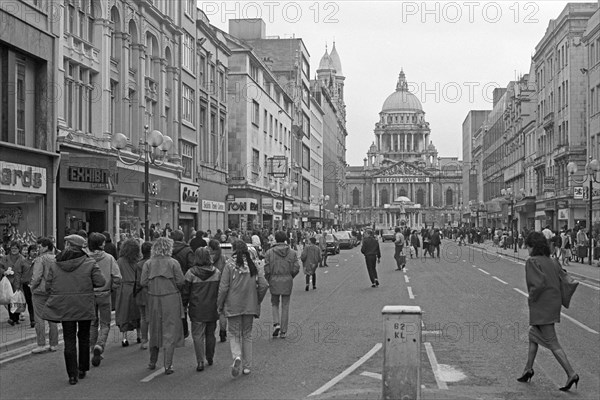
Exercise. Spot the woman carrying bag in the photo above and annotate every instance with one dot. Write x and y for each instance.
(542, 275)
(12, 266)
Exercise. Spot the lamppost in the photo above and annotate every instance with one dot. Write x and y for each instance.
(148, 145)
(591, 169)
(476, 209)
(285, 186)
(322, 200)
(511, 197)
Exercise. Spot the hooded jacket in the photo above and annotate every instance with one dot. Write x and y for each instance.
(110, 272)
(239, 292)
(70, 285)
(184, 254)
(281, 266)
(41, 269)
(200, 292)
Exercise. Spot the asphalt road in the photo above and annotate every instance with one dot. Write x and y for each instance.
(475, 324)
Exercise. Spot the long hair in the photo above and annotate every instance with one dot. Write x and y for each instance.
(202, 257)
(537, 241)
(240, 251)
(163, 246)
(130, 251)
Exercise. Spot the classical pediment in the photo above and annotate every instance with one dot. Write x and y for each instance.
(402, 168)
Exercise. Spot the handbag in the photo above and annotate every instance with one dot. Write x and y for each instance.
(6, 292)
(17, 302)
(568, 285)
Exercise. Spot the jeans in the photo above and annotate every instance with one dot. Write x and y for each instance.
(102, 321)
(436, 247)
(143, 324)
(314, 279)
(371, 267)
(40, 325)
(285, 310)
(28, 300)
(203, 334)
(239, 330)
(74, 331)
(397, 253)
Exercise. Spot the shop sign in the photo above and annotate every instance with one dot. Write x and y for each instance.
(304, 219)
(243, 206)
(278, 206)
(296, 208)
(288, 207)
(209, 205)
(267, 203)
(403, 179)
(549, 184)
(230, 197)
(188, 198)
(563, 213)
(22, 178)
(578, 193)
(88, 173)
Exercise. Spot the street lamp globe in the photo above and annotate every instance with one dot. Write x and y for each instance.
(326, 198)
(119, 141)
(594, 166)
(167, 143)
(155, 139)
(503, 192)
(571, 168)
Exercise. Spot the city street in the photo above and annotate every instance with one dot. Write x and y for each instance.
(475, 324)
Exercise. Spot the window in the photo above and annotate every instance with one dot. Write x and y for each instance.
(306, 125)
(213, 138)
(20, 100)
(187, 159)
(187, 104)
(356, 197)
(305, 190)
(270, 125)
(255, 113)
(305, 68)
(80, 17)
(189, 50)
(255, 164)
(449, 197)
(254, 72)
(221, 153)
(276, 130)
(421, 197)
(203, 134)
(383, 197)
(592, 101)
(265, 122)
(79, 97)
(112, 119)
(222, 88)
(190, 6)
(213, 72)
(305, 157)
(202, 71)
(305, 95)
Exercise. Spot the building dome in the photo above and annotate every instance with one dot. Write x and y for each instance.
(335, 60)
(401, 100)
(326, 62)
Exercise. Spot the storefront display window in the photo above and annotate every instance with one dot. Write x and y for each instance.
(21, 217)
(130, 215)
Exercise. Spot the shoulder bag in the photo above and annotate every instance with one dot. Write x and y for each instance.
(568, 285)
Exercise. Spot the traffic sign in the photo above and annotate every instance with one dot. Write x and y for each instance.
(578, 193)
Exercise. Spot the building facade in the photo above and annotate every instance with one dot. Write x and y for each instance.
(28, 106)
(471, 125)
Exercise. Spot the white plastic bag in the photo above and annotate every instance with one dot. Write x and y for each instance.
(6, 292)
(17, 302)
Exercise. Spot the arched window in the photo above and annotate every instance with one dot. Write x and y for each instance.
(449, 197)
(384, 197)
(116, 28)
(421, 197)
(402, 192)
(133, 39)
(356, 197)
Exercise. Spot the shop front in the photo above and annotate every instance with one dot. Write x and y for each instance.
(525, 211)
(243, 214)
(188, 208)
(271, 213)
(127, 205)
(85, 184)
(213, 213)
(26, 197)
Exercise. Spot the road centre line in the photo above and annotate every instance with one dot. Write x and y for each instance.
(587, 328)
(474, 266)
(410, 293)
(406, 279)
(435, 366)
(372, 375)
(153, 375)
(590, 286)
(484, 271)
(499, 280)
(347, 371)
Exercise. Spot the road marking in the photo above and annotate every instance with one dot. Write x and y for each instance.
(406, 279)
(485, 272)
(410, 293)
(522, 292)
(347, 372)
(588, 285)
(474, 266)
(372, 375)
(435, 366)
(587, 328)
(499, 280)
(153, 375)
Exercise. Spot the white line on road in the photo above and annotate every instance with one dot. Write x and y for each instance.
(406, 279)
(484, 271)
(474, 266)
(590, 286)
(522, 292)
(499, 280)
(587, 328)
(435, 367)
(410, 293)
(372, 375)
(346, 372)
(153, 375)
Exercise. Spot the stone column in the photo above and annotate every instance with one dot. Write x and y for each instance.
(405, 142)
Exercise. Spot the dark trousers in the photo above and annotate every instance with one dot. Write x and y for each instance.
(314, 279)
(186, 327)
(12, 316)
(397, 254)
(371, 267)
(74, 331)
(29, 301)
(436, 247)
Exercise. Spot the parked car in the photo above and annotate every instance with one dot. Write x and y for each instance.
(346, 239)
(388, 234)
(333, 244)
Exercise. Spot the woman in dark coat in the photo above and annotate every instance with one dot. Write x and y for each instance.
(70, 287)
(311, 257)
(127, 313)
(141, 294)
(163, 278)
(543, 284)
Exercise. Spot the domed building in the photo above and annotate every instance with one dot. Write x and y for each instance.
(403, 182)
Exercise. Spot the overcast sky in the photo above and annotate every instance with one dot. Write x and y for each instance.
(453, 53)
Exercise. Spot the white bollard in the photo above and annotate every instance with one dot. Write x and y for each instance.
(401, 352)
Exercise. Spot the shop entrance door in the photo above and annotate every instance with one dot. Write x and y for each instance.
(89, 221)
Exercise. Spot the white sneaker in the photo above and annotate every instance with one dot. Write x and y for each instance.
(53, 348)
(38, 350)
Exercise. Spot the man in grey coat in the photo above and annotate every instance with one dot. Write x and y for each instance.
(281, 266)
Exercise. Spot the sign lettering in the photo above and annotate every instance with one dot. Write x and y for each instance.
(403, 179)
(22, 178)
